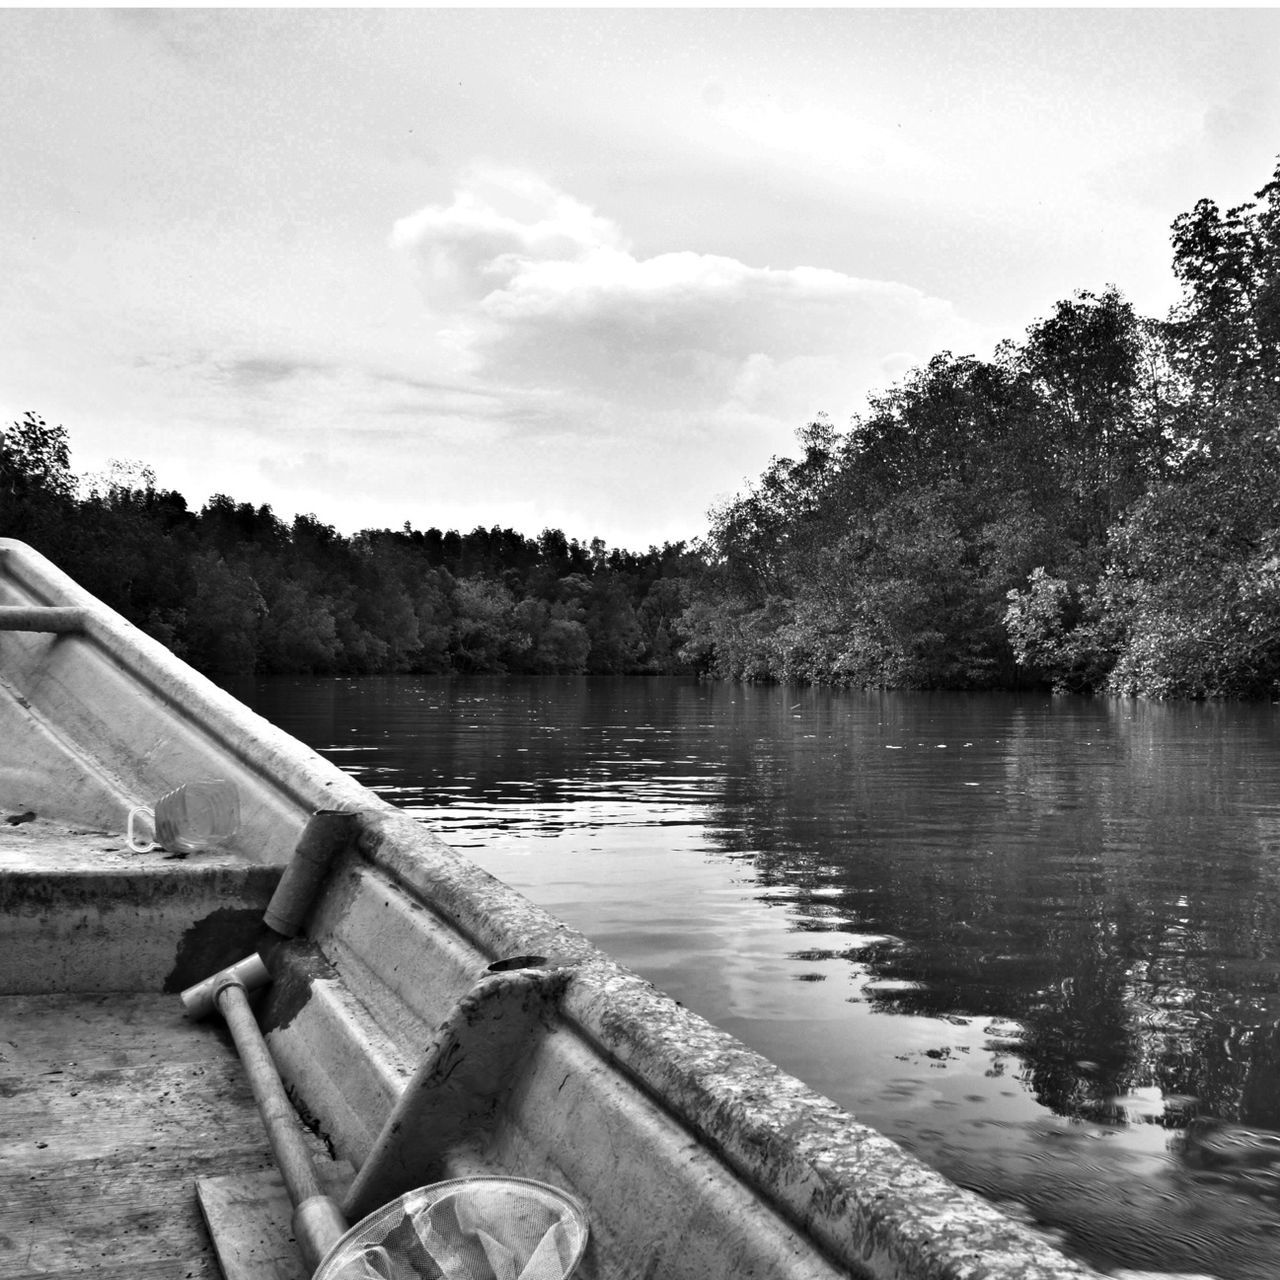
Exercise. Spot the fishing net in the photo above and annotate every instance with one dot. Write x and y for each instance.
(467, 1229)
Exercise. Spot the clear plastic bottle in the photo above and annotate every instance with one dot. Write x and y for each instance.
(204, 814)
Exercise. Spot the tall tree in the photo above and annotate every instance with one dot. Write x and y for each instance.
(1226, 329)
(1085, 362)
(35, 462)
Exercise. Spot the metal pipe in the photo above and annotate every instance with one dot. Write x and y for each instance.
(318, 1223)
(20, 617)
(251, 973)
(327, 833)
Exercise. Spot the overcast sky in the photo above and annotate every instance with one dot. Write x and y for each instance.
(578, 268)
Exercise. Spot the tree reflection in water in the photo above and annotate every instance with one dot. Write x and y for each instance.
(1116, 894)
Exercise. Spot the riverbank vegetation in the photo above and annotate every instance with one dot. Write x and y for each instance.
(1095, 508)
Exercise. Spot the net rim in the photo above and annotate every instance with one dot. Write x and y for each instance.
(436, 1191)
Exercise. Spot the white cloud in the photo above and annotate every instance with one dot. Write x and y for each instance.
(539, 291)
(501, 219)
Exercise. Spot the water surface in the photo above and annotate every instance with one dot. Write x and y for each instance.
(1027, 937)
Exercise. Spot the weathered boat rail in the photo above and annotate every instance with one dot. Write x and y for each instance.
(109, 715)
(696, 1157)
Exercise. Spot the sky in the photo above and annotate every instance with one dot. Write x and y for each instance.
(585, 269)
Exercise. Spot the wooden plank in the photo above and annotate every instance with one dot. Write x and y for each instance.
(70, 1115)
(111, 1107)
(249, 1217)
(199, 1267)
(102, 1029)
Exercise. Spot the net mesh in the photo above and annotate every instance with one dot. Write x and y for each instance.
(467, 1229)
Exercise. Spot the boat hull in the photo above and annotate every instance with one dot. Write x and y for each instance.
(695, 1157)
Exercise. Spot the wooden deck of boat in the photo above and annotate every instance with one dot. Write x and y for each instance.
(111, 1105)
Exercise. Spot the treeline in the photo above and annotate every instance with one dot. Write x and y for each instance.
(1096, 508)
(234, 590)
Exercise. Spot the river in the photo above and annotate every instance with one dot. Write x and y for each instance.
(1027, 937)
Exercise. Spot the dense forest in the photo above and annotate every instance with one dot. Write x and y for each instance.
(1094, 509)
(235, 590)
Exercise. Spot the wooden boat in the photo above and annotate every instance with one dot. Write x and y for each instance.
(427, 1021)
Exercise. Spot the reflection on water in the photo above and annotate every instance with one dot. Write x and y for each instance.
(1029, 938)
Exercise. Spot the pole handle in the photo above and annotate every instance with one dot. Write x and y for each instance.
(250, 973)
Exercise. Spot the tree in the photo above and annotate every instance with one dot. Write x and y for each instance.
(37, 487)
(484, 630)
(1194, 586)
(297, 631)
(35, 462)
(753, 537)
(612, 626)
(907, 597)
(229, 525)
(551, 637)
(1085, 362)
(1057, 634)
(119, 483)
(222, 622)
(1226, 328)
